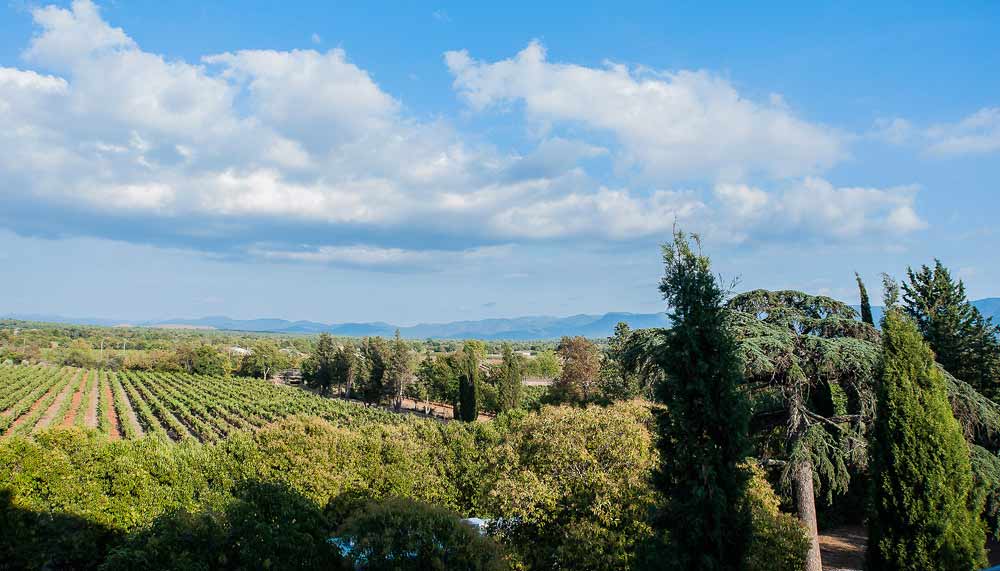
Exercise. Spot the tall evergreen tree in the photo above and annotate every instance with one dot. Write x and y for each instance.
(511, 377)
(964, 343)
(703, 425)
(375, 356)
(468, 384)
(345, 368)
(319, 367)
(866, 306)
(923, 515)
(398, 371)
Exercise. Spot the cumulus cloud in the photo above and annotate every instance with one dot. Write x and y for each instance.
(305, 152)
(674, 124)
(815, 207)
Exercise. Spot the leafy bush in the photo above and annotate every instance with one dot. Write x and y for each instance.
(779, 541)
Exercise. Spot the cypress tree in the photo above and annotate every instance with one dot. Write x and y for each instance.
(703, 427)
(923, 516)
(866, 306)
(468, 384)
(511, 377)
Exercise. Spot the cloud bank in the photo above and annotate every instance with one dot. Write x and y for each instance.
(301, 156)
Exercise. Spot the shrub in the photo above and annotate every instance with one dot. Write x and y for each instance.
(779, 542)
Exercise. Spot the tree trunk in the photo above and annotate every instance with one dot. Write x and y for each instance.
(805, 502)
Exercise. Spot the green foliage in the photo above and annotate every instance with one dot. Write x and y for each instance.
(320, 369)
(438, 374)
(545, 364)
(577, 382)
(401, 534)
(923, 514)
(346, 368)
(965, 343)
(573, 487)
(398, 372)
(703, 432)
(510, 379)
(866, 305)
(263, 526)
(810, 367)
(617, 382)
(779, 540)
(467, 407)
(264, 360)
(371, 382)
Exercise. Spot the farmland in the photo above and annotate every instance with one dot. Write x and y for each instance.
(170, 406)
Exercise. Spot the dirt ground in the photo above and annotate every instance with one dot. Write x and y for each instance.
(843, 549)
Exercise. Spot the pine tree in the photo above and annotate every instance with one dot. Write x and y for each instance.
(468, 384)
(511, 377)
(703, 426)
(866, 306)
(964, 343)
(923, 515)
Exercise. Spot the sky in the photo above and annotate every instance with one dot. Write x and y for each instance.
(429, 162)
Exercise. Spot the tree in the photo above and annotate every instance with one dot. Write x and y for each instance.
(319, 368)
(545, 364)
(375, 357)
(467, 408)
(809, 366)
(510, 378)
(345, 368)
(577, 383)
(264, 359)
(704, 423)
(923, 516)
(866, 306)
(439, 374)
(616, 381)
(964, 343)
(398, 372)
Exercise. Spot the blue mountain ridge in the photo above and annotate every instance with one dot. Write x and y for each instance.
(516, 328)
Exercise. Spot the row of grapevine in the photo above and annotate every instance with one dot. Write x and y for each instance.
(168, 406)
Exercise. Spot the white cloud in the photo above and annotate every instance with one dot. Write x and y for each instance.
(976, 134)
(372, 257)
(669, 124)
(303, 142)
(814, 207)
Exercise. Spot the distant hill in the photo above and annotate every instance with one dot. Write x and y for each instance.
(515, 328)
(990, 307)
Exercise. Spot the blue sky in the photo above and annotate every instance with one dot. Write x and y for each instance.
(416, 162)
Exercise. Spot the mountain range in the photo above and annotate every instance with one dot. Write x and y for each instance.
(516, 328)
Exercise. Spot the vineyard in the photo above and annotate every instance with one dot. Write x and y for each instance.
(168, 406)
